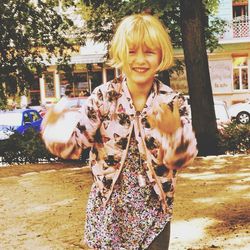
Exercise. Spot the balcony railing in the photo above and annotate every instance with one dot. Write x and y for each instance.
(237, 29)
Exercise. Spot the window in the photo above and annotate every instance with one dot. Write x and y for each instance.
(80, 84)
(240, 18)
(35, 116)
(35, 84)
(240, 73)
(35, 92)
(96, 79)
(240, 8)
(110, 74)
(26, 118)
(78, 81)
(49, 84)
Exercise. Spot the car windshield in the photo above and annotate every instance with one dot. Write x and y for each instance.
(221, 113)
(10, 119)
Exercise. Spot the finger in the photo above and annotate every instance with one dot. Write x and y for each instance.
(176, 112)
(171, 119)
(166, 116)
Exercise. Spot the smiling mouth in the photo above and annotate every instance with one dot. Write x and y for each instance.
(140, 70)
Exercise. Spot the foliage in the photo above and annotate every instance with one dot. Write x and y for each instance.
(211, 5)
(215, 29)
(235, 138)
(27, 148)
(30, 148)
(102, 17)
(64, 3)
(30, 36)
(214, 26)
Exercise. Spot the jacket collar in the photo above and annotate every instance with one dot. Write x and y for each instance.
(150, 100)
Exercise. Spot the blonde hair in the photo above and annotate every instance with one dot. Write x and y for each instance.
(140, 30)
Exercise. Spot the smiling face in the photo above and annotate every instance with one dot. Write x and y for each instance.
(142, 64)
(140, 47)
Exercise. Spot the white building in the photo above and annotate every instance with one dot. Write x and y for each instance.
(89, 68)
(229, 65)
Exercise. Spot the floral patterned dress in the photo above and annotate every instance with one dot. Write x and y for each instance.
(133, 216)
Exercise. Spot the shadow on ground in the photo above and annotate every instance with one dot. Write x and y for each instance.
(43, 206)
(212, 203)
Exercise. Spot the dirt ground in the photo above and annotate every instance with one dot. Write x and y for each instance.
(43, 206)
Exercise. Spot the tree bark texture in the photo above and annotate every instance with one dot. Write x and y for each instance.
(165, 77)
(200, 90)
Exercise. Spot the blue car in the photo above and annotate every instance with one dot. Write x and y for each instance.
(19, 121)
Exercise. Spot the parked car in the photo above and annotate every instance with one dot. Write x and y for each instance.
(41, 109)
(73, 103)
(221, 112)
(240, 112)
(222, 115)
(18, 120)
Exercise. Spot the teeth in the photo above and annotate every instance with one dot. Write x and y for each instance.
(140, 70)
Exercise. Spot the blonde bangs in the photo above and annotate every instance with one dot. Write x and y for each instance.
(140, 30)
(139, 35)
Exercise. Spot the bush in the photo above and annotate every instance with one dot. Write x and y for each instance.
(30, 148)
(26, 148)
(235, 138)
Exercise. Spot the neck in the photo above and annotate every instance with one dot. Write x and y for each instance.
(139, 94)
(137, 90)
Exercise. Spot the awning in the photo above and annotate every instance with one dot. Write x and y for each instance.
(80, 59)
(88, 58)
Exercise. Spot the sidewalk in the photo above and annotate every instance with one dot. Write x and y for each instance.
(43, 206)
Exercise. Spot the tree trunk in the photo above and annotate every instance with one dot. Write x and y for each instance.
(164, 77)
(200, 90)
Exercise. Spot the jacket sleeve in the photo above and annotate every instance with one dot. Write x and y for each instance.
(179, 149)
(80, 125)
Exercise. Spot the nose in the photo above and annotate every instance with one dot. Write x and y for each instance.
(140, 56)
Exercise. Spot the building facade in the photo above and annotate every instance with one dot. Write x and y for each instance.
(89, 65)
(89, 70)
(229, 65)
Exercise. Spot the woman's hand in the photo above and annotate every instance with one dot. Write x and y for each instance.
(54, 112)
(163, 119)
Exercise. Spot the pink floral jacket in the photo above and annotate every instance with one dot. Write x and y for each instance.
(106, 123)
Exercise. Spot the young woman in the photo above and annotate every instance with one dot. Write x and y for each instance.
(140, 135)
